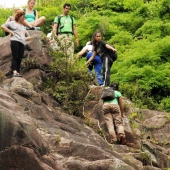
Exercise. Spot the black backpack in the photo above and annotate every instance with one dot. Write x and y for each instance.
(112, 54)
(59, 24)
(108, 94)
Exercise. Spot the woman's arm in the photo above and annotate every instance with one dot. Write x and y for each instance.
(26, 23)
(91, 58)
(120, 101)
(36, 15)
(7, 30)
(27, 38)
(81, 52)
(110, 47)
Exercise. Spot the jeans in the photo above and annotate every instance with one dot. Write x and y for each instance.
(97, 64)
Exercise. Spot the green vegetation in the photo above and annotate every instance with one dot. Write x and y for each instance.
(67, 84)
(146, 158)
(140, 31)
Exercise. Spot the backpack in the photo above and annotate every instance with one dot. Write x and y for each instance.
(34, 11)
(112, 54)
(59, 18)
(108, 94)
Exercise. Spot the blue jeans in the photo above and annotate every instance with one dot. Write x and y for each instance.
(97, 64)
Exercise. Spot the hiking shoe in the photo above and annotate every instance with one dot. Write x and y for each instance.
(17, 75)
(122, 140)
(113, 142)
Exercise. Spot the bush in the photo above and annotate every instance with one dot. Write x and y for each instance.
(68, 84)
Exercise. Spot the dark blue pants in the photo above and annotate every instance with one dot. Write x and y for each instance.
(97, 64)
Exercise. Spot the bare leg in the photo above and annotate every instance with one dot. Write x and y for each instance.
(38, 22)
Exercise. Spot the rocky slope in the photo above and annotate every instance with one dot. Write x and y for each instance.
(36, 134)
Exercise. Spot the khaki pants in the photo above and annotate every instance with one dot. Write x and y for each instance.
(66, 45)
(113, 119)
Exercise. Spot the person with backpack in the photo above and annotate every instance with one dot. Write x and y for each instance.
(64, 28)
(107, 53)
(31, 15)
(18, 37)
(96, 62)
(113, 114)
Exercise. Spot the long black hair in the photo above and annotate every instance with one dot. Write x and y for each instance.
(94, 42)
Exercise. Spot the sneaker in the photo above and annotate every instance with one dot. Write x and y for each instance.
(17, 75)
(33, 28)
(37, 28)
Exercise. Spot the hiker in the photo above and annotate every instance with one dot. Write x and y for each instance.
(31, 15)
(113, 114)
(25, 22)
(96, 62)
(18, 37)
(64, 28)
(53, 43)
(101, 48)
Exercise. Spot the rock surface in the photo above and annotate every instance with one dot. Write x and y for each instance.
(36, 134)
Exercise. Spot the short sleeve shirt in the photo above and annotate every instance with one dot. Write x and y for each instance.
(66, 22)
(19, 31)
(115, 100)
(100, 48)
(88, 47)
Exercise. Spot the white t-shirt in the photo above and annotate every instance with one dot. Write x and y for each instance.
(88, 47)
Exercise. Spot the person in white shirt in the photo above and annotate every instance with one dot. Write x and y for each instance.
(96, 62)
(53, 43)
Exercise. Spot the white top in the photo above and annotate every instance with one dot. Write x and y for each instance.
(88, 47)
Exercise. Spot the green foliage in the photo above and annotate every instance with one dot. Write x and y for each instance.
(132, 4)
(146, 158)
(139, 30)
(2, 76)
(153, 29)
(67, 83)
(5, 13)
